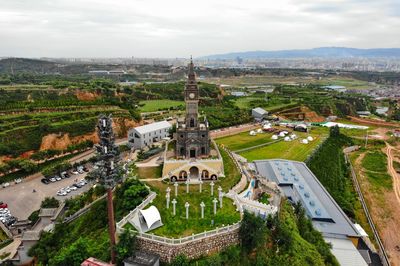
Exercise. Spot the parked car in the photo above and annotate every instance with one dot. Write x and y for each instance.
(3, 205)
(18, 180)
(53, 179)
(80, 171)
(6, 184)
(78, 185)
(65, 175)
(45, 181)
(75, 172)
(67, 189)
(57, 178)
(73, 187)
(61, 193)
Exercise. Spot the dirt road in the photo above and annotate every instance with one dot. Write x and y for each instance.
(395, 176)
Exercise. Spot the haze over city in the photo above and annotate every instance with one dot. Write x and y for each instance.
(179, 28)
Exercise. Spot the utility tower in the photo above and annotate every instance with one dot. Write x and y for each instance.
(110, 173)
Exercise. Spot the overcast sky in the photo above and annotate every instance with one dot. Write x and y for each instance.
(178, 28)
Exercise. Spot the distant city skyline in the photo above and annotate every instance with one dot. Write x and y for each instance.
(168, 29)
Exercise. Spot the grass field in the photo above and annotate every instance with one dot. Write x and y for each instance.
(178, 226)
(150, 172)
(293, 150)
(375, 167)
(3, 235)
(156, 105)
(244, 140)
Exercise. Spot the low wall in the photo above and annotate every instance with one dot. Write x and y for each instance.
(192, 249)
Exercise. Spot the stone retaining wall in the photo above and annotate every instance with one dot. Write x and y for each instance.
(193, 249)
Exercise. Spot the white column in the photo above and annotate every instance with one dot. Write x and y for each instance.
(220, 194)
(176, 189)
(187, 186)
(215, 205)
(173, 207)
(202, 205)
(187, 210)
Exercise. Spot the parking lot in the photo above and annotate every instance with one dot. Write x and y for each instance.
(22, 201)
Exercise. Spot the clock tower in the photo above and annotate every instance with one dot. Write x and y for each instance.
(192, 135)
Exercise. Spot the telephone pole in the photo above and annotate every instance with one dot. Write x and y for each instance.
(109, 171)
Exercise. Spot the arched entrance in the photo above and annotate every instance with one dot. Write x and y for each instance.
(194, 172)
(204, 174)
(183, 175)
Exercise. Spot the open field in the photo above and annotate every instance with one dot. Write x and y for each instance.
(293, 150)
(150, 172)
(244, 140)
(381, 200)
(156, 105)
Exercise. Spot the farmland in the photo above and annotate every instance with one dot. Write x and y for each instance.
(244, 140)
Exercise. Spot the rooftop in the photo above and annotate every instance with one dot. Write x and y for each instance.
(152, 127)
(47, 212)
(260, 110)
(143, 259)
(300, 184)
(30, 235)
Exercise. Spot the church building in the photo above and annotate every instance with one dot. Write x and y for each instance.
(195, 157)
(192, 134)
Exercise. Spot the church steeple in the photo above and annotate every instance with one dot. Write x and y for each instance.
(191, 74)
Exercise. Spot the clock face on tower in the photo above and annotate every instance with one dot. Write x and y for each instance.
(191, 95)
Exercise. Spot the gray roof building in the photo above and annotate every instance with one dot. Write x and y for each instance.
(140, 137)
(258, 113)
(300, 184)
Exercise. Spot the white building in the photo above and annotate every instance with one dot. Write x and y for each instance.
(259, 114)
(140, 137)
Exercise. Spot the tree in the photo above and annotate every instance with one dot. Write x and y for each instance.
(126, 246)
(27, 166)
(180, 260)
(334, 131)
(252, 231)
(50, 202)
(73, 254)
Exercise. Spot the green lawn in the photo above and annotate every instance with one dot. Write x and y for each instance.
(244, 140)
(177, 226)
(156, 105)
(293, 150)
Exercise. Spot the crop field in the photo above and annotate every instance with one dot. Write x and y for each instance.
(156, 105)
(293, 150)
(244, 140)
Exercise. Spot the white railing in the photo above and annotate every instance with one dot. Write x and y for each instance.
(130, 215)
(187, 239)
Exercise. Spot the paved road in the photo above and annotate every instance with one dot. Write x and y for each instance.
(22, 201)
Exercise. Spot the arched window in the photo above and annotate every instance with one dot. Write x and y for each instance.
(191, 122)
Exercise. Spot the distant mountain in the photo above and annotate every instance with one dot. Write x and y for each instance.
(324, 52)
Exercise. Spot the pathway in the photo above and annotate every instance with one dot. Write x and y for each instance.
(395, 176)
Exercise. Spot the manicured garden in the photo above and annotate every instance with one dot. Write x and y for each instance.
(178, 225)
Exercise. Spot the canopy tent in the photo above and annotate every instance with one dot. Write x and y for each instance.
(151, 216)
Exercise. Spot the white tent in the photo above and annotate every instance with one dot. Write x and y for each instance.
(287, 139)
(252, 133)
(275, 137)
(151, 216)
(293, 136)
(259, 130)
(304, 141)
(282, 134)
(309, 138)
